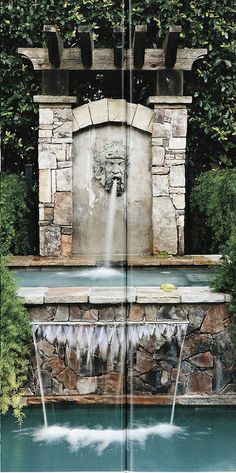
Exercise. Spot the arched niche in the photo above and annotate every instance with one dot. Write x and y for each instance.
(103, 128)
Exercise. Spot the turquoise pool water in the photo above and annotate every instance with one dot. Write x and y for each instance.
(205, 441)
(74, 277)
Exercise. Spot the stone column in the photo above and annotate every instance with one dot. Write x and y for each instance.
(168, 173)
(55, 174)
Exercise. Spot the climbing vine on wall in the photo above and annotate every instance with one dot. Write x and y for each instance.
(212, 83)
(15, 346)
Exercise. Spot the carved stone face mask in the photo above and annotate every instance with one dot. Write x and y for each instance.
(110, 165)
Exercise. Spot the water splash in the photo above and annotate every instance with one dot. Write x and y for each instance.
(101, 439)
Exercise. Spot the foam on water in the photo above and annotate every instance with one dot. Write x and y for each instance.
(102, 272)
(81, 437)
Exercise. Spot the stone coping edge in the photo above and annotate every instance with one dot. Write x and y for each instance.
(119, 295)
(133, 261)
(57, 99)
(151, 400)
(169, 99)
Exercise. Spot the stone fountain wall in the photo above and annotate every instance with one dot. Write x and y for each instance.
(208, 364)
(164, 128)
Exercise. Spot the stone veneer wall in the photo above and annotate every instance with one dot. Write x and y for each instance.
(167, 126)
(208, 363)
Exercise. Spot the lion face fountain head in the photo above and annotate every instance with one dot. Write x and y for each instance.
(110, 165)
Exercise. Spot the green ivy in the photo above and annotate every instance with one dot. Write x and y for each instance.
(214, 200)
(14, 215)
(15, 346)
(205, 24)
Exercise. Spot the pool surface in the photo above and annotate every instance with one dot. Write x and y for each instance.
(109, 277)
(205, 440)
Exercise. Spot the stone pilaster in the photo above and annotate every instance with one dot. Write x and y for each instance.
(168, 173)
(55, 174)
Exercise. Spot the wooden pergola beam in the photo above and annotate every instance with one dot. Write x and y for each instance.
(54, 44)
(86, 46)
(170, 46)
(103, 59)
(118, 45)
(139, 40)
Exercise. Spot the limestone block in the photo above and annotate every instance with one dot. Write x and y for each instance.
(117, 110)
(64, 179)
(179, 201)
(63, 208)
(177, 143)
(48, 214)
(157, 141)
(181, 239)
(66, 245)
(44, 185)
(87, 385)
(131, 109)
(32, 295)
(62, 313)
(62, 114)
(148, 295)
(179, 123)
(68, 152)
(177, 190)
(160, 170)
(164, 226)
(64, 164)
(142, 118)
(45, 133)
(200, 294)
(158, 156)
(45, 116)
(50, 240)
(99, 111)
(47, 160)
(161, 130)
(63, 131)
(177, 176)
(66, 295)
(160, 185)
(41, 212)
(81, 117)
(54, 187)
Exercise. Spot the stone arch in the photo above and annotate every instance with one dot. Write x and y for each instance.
(112, 111)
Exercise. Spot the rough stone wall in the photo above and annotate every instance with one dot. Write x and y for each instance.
(55, 179)
(168, 177)
(208, 364)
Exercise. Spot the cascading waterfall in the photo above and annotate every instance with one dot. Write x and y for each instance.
(110, 224)
(177, 377)
(40, 379)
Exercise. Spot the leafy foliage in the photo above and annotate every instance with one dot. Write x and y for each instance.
(214, 199)
(225, 278)
(14, 215)
(205, 24)
(15, 348)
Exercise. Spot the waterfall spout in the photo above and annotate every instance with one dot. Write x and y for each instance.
(177, 378)
(40, 381)
(110, 224)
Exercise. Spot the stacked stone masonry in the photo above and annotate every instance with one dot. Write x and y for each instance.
(55, 179)
(208, 363)
(167, 125)
(168, 177)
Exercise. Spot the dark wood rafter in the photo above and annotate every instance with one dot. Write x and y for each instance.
(168, 63)
(170, 46)
(86, 46)
(118, 42)
(139, 41)
(54, 44)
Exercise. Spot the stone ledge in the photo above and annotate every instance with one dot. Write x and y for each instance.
(162, 400)
(134, 261)
(119, 295)
(56, 99)
(169, 100)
